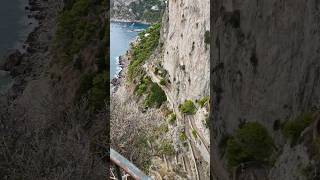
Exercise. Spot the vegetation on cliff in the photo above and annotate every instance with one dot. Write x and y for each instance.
(188, 107)
(79, 27)
(292, 129)
(148, 41)
(141, 51)
(250, 143)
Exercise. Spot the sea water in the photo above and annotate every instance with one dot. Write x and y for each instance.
(121, 35)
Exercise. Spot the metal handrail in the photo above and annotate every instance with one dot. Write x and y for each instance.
(127, 166)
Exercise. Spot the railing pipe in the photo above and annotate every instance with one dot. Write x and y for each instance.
(127, 166)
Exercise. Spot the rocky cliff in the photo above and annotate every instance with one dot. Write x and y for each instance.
(52, 119)
(185, 61)
(168, 70)
(265, 69)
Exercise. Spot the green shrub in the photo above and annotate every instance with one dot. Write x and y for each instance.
(163, 82)
(172, 118)
(166, 148)
(99, 91)
(292, 129)
(188, 107)
(85, 84)
(207, 37)
(194, 133)
(141, 89)
(250, 143)
(75, 29)
(163, 128)
(183, 137)
(155, 97)
(94, 86)
(203, 101)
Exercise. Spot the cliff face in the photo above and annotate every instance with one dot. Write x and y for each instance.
(182, 62)
(266, 68)
(178, 65)
(185, 58)
(185, 53)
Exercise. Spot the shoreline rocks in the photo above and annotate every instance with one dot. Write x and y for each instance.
(26, 63)
(123, 63)
(14, 58)
(129, 21)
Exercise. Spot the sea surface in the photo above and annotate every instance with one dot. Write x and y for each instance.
(14, 28)
(13, 24)
(121, 35)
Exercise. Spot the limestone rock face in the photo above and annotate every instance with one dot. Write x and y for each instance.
(266, 64)
(186, 56)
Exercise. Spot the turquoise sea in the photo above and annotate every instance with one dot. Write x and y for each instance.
(121, 34)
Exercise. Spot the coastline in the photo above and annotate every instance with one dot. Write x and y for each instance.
(120, 76)
(24, 64)
(129, 21)
(124, 61)
(13, 55)
(22, 46)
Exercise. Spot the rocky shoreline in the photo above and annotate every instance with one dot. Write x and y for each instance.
(25, 64)
(13, 58)
(123, 63)
(129, 21)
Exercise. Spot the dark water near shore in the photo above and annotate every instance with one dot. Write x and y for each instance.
(121, 34)
(14, 28)
(12, 24)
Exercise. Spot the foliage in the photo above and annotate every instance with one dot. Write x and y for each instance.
(194, 133)
(143, 11)
(85, 84)
(172, 118)
(166, 148)
(156, 96)
(142, 145)
(99, 91)
(142, 87)
(207, 37)
(75, 28)
(292, 129)
(183, 137)
(80, 24)
(149, 40)
(188, 107)
(163, 128)
(163, 82)
(203, 101)
(250, 143)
